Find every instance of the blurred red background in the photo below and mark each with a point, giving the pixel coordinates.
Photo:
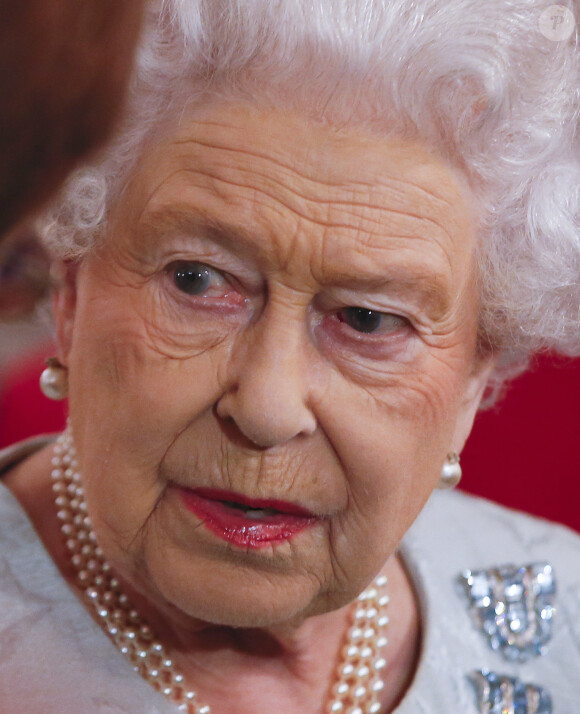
(525, 453)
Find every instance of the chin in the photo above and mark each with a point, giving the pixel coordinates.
(237, 596)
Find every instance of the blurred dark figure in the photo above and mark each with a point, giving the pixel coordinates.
(24, 274)
(64, 67)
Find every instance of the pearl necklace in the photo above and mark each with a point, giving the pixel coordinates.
(358, 674)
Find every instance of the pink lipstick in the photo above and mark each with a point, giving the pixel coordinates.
(246, 522)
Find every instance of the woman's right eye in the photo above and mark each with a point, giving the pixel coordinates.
(195, 278)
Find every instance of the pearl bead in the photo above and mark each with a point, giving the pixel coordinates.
(145, 632)
(341, 689)
(351, 651)
(451, 473)
(345, 670)
(355, 634)
(72, 544)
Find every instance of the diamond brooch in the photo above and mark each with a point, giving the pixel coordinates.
(514, 607)
(508, 695)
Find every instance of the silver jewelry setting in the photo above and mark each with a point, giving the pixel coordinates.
(514, 607)
(507, 695)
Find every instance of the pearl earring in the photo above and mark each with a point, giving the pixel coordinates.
(451, 472)
(54, 380)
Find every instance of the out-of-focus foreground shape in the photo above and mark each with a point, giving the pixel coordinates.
(64, 68)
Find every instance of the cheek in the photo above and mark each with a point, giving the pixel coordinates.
(129, 401)
(125, 367)
(391, 443)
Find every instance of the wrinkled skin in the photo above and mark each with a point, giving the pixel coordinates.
(64, 67)
(260, 384)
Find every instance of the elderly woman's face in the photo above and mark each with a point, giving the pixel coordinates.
(270, 355)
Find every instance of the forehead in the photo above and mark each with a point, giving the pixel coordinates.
(274, 182)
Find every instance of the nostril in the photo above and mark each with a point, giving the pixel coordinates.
(232, 432)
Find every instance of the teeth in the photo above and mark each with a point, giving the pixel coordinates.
(254, 513)
(258, 513)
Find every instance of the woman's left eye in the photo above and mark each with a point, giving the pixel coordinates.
(195, 278)
(371, 321)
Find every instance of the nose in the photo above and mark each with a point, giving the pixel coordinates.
(267, 395)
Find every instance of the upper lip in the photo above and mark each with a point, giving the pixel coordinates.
(217, 494)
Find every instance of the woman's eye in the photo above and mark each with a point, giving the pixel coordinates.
(371, 321)
(195, 278)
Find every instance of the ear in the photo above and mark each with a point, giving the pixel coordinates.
(64, 301)
(473, 393)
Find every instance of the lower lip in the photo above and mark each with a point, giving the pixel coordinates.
(237, 528)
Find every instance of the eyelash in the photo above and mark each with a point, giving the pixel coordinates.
(180, 270)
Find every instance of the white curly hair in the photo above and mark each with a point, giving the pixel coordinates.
(478, 82)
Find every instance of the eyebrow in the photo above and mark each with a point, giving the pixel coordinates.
(430, 291)
(155, 223)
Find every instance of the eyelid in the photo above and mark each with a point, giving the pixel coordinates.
(401, 322)
(199, 249)
(340, 300)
